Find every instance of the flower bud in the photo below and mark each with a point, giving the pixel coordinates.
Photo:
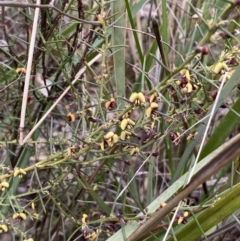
(205, 50)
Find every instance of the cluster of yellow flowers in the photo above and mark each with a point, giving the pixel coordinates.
(3, 228)
(88, 234)
(185, 82)
(3, 185)
(109, 140)
(126, 123)
(18, 172)
(19, 216)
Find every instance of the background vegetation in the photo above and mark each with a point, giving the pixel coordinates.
(119, 120)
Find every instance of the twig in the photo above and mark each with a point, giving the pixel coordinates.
(28, 73)
(49, 6)
(81, 71)
(160, 46)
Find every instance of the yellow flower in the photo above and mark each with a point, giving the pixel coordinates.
(127, 124)
(220, 68)
(125, 135)
(3, 228)
(21, 71)
(188, 88)
(162, 205)
(109, 140)
(18, 172)
(151, 110)
(180, 220)
(153, 97)
(19, 216)
(84, 218)
(186, 214)
(109, 135)
(185, 82)
(185, 73)
(71, 117)
(90, 234)
(93, 236)
(148, 111)
(137, 98)
(33, 206)
(4, 185)
(111, 104)
(134, 151)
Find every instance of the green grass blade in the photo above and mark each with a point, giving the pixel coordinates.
(149, 63)
(223, 130)
(164, 28)
(131, 21)
(118, 39)
(210, 217)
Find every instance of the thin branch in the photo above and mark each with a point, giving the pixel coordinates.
(28, 73)
(49, 6)
(159, 42)
(81, 71)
